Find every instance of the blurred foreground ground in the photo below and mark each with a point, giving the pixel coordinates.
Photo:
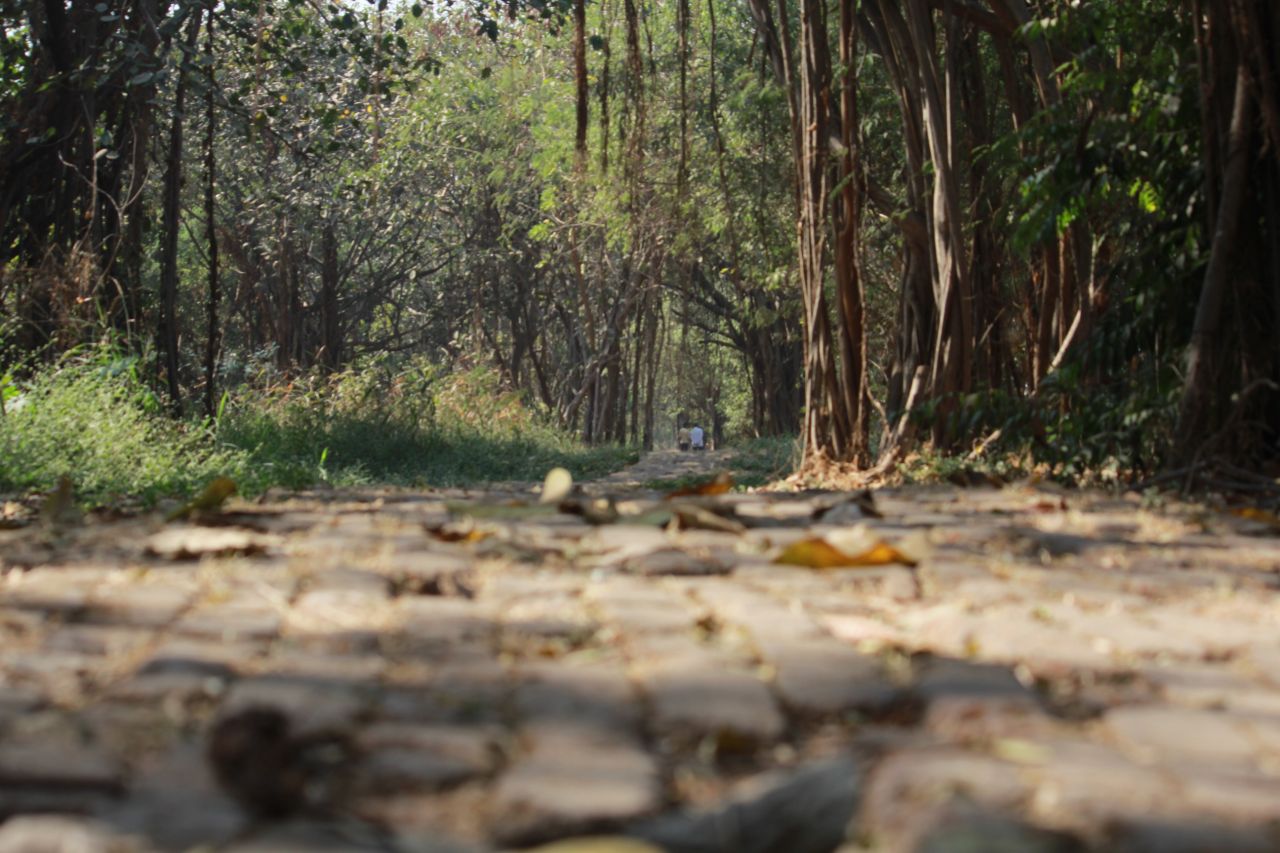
(467, 670)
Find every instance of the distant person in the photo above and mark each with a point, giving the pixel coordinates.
(682, 438)
(697, 438)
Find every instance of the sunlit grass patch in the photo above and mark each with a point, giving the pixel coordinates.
(761, 461)
(94, 421)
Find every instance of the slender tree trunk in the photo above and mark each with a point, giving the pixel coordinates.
(682, 27)
(580, 76)
(167, 342)
(331, 334)
(213, 336)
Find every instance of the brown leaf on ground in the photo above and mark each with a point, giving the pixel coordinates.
(1253, 513)
(692, 517)
(859, 505)
(461, 530)
(717, 485)
(592, 510)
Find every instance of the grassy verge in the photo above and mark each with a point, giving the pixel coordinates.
(94, 420)
(764, 460)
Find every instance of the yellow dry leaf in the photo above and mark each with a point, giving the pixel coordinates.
(812, 553)
(882, 554)
(1020, 751)
(817, 553)
(556, 486)
(717, 485)
(210, 500)
(1251, 513)
(463, 530)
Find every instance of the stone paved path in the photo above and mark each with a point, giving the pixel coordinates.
(465, 671)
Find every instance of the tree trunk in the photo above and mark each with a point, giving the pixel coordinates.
(213, 336)
(1199, 413)
(847, 225)
(580, 76)
(167, 337)
(331, 329)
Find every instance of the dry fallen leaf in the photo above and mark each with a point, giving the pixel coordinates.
(717, 485)
(1020, 751)
(461, 530)
(1047, 504)
(60, 510)
(817, 552)
(857, 506)
(691, 517)
(210, 500)
(592, 510)
(556, 486)
(1262, 516)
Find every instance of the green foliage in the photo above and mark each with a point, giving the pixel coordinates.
(408, 426)
(91, 418)
(927, 465)
(764, 460)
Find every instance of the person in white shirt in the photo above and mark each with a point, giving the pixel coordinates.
(697, 438)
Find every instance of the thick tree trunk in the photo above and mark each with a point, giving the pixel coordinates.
(847, 226)
(1199, 413)
(826, 426)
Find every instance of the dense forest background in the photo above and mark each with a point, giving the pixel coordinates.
(997, 229)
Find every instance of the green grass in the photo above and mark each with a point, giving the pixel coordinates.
(94, 420)
(763, 460)
(406, 428)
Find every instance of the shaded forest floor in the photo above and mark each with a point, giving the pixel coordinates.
(471, 670)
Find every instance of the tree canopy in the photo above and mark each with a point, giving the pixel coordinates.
(1041, 226)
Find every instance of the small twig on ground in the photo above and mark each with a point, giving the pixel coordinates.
(982, 446)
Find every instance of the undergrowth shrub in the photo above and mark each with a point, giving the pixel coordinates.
(764, 460)
(409, 425)
(91, 417)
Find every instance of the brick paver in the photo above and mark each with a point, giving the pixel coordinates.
(466, 670)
